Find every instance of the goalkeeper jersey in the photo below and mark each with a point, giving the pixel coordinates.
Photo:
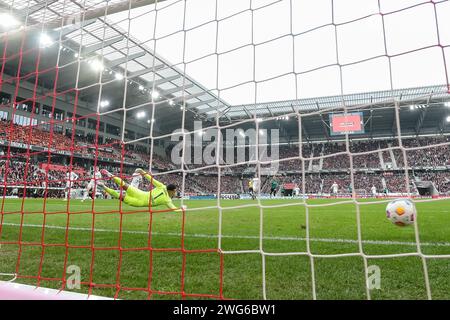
(159, 196)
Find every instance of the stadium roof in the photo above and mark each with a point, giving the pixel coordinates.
(99, 41)
(366, 100)
(423, 110)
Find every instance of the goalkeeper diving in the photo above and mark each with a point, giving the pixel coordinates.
(160, 195)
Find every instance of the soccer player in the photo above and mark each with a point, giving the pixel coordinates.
(374, 191)
(137, 179)
(296, 191)
(70, 178)
(15, 192)
(334, 188)
(161, 195)
(44, 189)
(250, 188)
(273, 187)
(255, 187)
(90, 189)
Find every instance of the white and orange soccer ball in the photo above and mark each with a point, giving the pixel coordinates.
(401, 212)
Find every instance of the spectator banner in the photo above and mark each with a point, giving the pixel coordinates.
(289, 186)
(57, 167)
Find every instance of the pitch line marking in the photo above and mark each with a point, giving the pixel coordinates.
(211, 236)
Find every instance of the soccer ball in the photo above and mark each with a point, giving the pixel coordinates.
(401, 212)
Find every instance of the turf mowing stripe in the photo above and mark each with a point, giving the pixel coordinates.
(211, 236)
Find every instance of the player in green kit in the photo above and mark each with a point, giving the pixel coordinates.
(350, 189)
(273, 187)
(161, 195)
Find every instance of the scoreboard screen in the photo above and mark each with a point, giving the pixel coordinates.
(350, 123)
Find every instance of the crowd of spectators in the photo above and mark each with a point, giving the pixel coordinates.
(14, 173)
(81, 146)
(441, 179)
(333, 154)
(429, 157)
(209, 184)
(321, 183)
(433, 153)
(19, 173)
(366, 154)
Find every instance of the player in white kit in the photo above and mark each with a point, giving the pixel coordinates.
(136, 179)
(70, 178)
(334, 188)
(91, 187)
(255, 187)
(296, 191)
(374, 191)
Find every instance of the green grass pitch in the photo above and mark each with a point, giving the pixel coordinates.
(332, 226)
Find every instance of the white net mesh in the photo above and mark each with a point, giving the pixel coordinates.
(335, 100)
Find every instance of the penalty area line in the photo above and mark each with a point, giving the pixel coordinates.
(212, 236)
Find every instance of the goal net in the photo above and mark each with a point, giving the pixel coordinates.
(280, 128)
